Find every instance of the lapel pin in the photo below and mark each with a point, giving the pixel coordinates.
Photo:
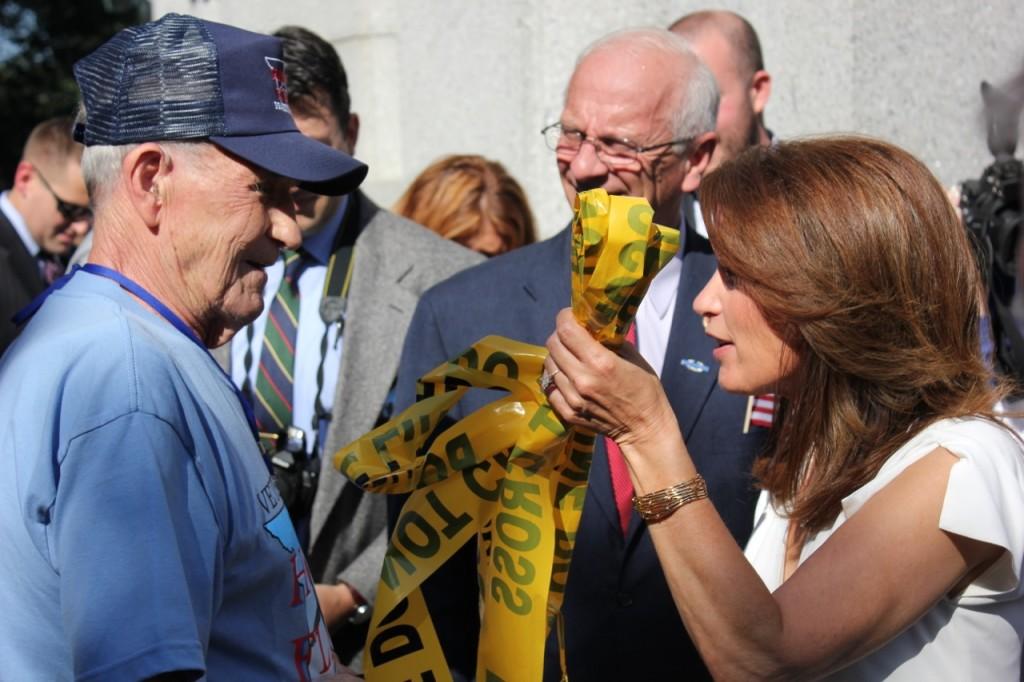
(694, 365)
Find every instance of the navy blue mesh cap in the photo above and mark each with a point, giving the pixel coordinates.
(183, 78)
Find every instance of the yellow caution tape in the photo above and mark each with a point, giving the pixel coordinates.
(509, 474)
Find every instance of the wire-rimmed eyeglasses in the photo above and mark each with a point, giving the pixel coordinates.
(72, 213)
(614, 152)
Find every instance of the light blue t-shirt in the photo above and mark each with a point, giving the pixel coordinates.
(140, 531)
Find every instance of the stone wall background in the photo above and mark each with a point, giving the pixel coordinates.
(464, 76)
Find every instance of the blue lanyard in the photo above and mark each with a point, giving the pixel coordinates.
(165, 312)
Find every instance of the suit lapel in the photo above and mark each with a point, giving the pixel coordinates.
(370, 353)
(369, 360)
(21, 263)
(690, 370)
(548, 282)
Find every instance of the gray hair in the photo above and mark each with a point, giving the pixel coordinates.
(101, 164)
(696, 110)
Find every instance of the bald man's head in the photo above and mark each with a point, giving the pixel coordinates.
(729, 46)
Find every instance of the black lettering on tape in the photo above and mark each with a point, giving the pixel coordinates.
(469, 476)
(393, 643)
(504, 562)
(424, 390)
(459, 451)
(470, 359)
(433, 470)
(545, 418)
(639, 218)
(380, 441)
(560, 561)
(563, 543)
(576, 493)
(397, 612)
(527, 534)
(351, 458)
(502, 359)
(632, 256)
(502, 593)
(527, 461)
(392, 560)
(453, 525)
(455, 383)
(431, 541)
(514, 496)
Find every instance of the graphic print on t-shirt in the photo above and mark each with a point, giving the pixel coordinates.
(313, 654)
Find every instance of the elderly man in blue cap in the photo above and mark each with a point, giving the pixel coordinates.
(142, 533)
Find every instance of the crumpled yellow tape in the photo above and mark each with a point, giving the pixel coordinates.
(509, 474)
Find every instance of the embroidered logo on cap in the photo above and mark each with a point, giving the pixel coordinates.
(276, 67)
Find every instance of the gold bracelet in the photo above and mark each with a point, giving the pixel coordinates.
(663, 503)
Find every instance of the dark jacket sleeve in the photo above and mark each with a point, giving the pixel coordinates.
(451, 592)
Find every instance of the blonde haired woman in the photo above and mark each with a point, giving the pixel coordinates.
(473, 201)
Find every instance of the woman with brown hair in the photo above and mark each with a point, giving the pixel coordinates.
(473, 201)
(889, 536)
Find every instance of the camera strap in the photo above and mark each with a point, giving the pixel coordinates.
(333, 305)
(334, 300)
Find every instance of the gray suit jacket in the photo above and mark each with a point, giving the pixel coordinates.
(395, 261)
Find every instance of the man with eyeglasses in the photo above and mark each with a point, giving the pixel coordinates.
(43, 217)
(638, 119)
(142, 531)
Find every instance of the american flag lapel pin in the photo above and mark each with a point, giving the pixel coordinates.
(760, 411)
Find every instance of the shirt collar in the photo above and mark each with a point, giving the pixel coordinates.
(662, 292)
(19, 224)
(692, 216)
(319, 246)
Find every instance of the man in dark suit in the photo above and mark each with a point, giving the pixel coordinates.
(42, 217)
(638, 120)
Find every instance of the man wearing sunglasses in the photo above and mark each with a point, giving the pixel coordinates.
(43, 217)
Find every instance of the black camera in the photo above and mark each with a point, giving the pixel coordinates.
(991, 207)
(295, 472)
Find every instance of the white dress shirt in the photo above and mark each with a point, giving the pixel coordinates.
(308, 335)
(655, 313)
(18, 223)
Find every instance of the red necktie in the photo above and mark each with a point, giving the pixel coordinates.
(622, 485)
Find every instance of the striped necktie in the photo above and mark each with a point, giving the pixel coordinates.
(274, 381)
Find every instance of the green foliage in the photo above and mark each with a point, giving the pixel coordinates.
(39, 41)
